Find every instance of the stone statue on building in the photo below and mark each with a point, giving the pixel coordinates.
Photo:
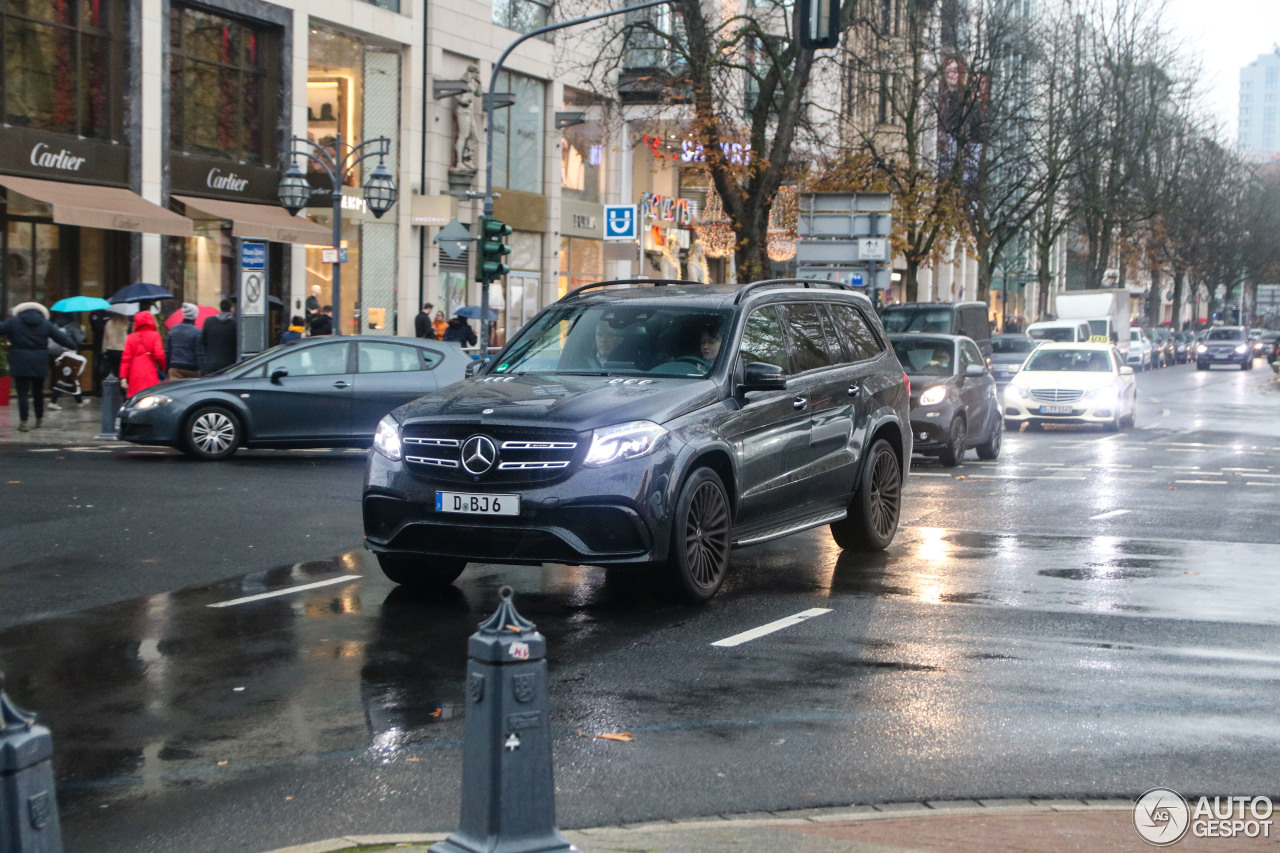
(467, 136)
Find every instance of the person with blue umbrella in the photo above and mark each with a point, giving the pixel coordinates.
(29, 332)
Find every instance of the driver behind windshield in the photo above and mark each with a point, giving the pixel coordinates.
(709, 343)
(608, 340)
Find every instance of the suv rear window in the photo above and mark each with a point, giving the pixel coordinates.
(810, 348)
(860, 340)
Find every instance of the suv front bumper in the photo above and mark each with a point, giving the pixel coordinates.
(614, 515)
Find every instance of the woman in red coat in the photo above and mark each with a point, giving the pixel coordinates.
(143, 357)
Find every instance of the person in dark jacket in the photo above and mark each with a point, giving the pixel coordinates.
(29, 331)
(219, 338)
(184, 346)
(460, 331)
(322, 323)
(422, 327)
(296, 327)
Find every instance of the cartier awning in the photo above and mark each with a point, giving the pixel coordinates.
(92, 206)
(263, 221)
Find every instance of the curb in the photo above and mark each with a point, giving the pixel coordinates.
(929, 809)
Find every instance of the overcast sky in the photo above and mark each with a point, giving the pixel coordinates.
(1227, 35)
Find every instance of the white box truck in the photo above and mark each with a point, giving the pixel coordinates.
(1106, 310)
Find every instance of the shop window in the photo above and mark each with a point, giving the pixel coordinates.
(223, 80)
(523, 16)
(518, 134)
(581, 263)
(64, 66)
(582, 155)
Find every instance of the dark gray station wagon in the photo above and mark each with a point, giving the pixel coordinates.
(650, 426)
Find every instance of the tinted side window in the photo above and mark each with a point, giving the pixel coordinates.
(835, 343)
(322, 360)
(973, 324)
(762, 340)
(862, 342)
(387, 358)
(809, 347)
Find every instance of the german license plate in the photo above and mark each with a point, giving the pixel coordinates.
(1221, 355)
(469, 504)
(1055, 410)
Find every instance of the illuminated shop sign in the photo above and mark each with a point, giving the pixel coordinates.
(675, 210)
(694, 152)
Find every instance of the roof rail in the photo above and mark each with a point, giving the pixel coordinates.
(656, 282)
(802, 282)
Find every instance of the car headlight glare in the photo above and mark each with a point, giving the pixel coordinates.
(1103, 397)
(387, 439)
(1240, 349)
(933, 396)
(152, 401)
(1201, 348)
(1015, 392)
(623, 441)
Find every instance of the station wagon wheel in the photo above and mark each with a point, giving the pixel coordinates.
(873, 513)
(700, 537)
(953, 454)
(421, 573)
(211, 433)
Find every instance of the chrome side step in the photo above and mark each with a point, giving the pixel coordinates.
(778, 533)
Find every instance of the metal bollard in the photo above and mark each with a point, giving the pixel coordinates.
(110, 408)
(28, 805)
(508, 789)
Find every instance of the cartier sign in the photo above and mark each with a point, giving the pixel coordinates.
(59, 157)
(217, 180)
(206, 177)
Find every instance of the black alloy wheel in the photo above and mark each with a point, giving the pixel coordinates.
(953, 454)
(211, 433)
(421, 573)
(700, 537)
(873, 513)
(990, 449)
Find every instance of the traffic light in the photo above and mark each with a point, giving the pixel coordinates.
(490, 266)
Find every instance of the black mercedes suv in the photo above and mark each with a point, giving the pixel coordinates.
(653, 426)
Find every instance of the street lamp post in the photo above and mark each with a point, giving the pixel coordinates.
(489, 104)
(338, 161)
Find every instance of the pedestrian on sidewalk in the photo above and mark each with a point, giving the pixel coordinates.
(185, 345)
(422, 325)
(297, 326)
(68, 364)
(219, 337)
(322, 323)
(142, 364)
(29, 331)
(113, 336)
(460, 331)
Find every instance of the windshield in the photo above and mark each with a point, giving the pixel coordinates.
(1058, 334)
(924, 357)
(1011, 346)
(1078, 360)
(1226, 335)
(623, 340)
(917, 320)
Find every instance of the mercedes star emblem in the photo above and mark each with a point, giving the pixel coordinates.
(478, 454)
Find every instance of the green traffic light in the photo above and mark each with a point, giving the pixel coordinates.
(492, 249)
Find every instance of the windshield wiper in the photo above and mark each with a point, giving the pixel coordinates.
(584, 373)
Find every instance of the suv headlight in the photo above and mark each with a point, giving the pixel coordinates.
(623, 441)
(933, 396)
(1240, 349)
(387, 439)
(1201, 348)
(152, 402)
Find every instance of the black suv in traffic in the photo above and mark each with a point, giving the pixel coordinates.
(654, 426)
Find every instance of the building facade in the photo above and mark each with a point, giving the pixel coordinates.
(1259, 115)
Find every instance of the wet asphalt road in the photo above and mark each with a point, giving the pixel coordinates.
(1091, 615)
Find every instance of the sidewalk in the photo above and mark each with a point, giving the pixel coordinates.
(956, 826)
(73, 425)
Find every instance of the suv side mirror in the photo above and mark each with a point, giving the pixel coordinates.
(974, 370)
(1126, 370)
(278, 374)
(759, 376)
(473, 367)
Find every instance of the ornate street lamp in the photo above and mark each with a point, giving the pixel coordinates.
(338, 161)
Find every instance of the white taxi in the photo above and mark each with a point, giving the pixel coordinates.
(1072, 383)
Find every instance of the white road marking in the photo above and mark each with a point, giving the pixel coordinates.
(1252, 483)
(1112, 514)
(928, 474)
(1260, 474)
(1155, 399)
(1176, 467)
(1204, 482)
(756, 633)
(289, 591)
(1248, 470)
(46, 450)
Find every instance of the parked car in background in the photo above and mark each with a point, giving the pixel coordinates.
(1225, 345)
(953, 397)
(1163, 349)
(1008, 352)
(1183, 346)
(969, 319)
(1271, 340)
(1072, 384)
(1069, 331)
(1141, 355)
(314, 392)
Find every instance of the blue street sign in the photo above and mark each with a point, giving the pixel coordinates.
(253, 256)
(855, 279)
(620, 222)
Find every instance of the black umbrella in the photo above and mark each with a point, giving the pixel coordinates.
(140, 291)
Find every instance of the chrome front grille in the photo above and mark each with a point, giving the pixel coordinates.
(1055, 395)
(525, 454)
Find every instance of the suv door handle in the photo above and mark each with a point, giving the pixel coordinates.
(341, 384)
(854, 390)
(799, 403)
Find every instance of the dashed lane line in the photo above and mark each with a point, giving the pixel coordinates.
(1204, 482)
(763, 630)
(288, 591)
(1112, 514)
